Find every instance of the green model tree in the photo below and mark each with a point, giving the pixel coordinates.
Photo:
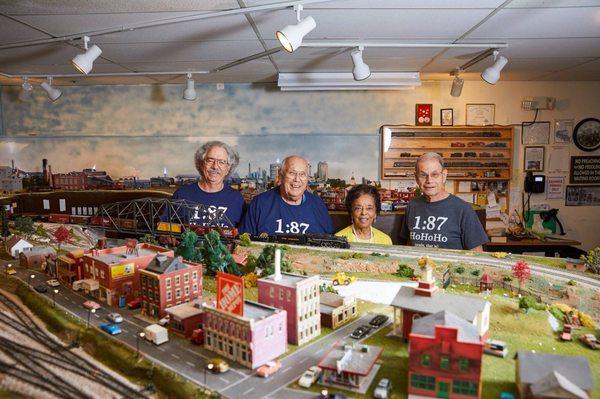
(216, 256)
(24, 225)
(245, 240)
(187, 249)
(266, 260)
(149, 239)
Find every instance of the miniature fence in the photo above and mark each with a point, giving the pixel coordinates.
(474, 282)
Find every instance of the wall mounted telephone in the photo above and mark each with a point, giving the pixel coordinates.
(535, 183)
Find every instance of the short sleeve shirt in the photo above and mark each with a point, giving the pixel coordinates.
(450, 223)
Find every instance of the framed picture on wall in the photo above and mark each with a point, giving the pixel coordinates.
(563, 131)
(534, 159)
(446, 117)
(480, 114)
(535, 133)
(423, 114)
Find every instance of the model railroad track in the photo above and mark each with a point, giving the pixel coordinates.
(25, 325)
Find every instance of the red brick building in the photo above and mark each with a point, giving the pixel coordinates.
(69, 267)
(185, 318)
(444, 357)
(117, 271)
(167, 282)
(69, 181)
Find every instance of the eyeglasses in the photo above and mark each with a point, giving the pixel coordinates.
(219, 162)
(300, 175)
(368, 209)
(432, 176)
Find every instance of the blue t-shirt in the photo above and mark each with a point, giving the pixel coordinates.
(269, 213)
(227, 201)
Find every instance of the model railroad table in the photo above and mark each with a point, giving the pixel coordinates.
(565, 248)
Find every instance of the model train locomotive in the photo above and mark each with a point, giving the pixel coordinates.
(311, 239)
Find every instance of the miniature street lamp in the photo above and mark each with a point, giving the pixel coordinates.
(54, 292)
(90, 311)
(6, 267)
(137, 343)
(29, 280)
(209, 366)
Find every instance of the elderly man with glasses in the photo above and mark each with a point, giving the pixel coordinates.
(288, 208)
(215, 161)
(438, 218)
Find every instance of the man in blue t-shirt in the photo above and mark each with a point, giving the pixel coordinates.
(215, 161)
(437, 218)
(288, 208)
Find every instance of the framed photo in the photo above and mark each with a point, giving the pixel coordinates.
(534, 159)
(535, 133)
(423, 114)
(446, 117)
(587, 134)
(563, 131)
(480, 114)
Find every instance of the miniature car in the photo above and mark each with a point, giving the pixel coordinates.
(379, 320)
(53, 283)
(476, 144)
(135, 303)
(91, 305)
(506, 395)
(40, 288)
(10, 270)
(114, 317)
(310, 376)
(342, 278)
(456, 155)
(590, 340)
(383, 389)
(218, 365)
(470, 154)
(484, 155)
(331, 396)
(495, 347)
(457, 144)
(566, 333)
(164, 321)
(268, 369)
(111, 328)
(197, 336)
(360, 332)
(496, 144)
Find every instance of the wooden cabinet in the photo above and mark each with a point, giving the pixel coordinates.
(481, 155)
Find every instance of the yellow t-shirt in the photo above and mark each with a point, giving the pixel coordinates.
(377, 236)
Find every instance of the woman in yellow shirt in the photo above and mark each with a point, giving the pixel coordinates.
(363, 205)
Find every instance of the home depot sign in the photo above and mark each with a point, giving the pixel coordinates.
(230, 293)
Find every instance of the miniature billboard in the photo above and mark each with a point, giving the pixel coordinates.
(123, 270)
(230, 293)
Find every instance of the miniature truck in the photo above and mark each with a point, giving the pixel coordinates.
(156, 334)
(566, 333)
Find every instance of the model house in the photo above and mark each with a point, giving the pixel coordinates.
(336, 310)
(255, 338)
(167, 282)
(411, 303)
(350, 365)
(546, 376)
(444, 357)
(117, 269)
(185, 318)
(69, 267)
(15, 245)
(35, 257)
(298, 295)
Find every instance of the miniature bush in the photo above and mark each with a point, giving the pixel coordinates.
(359, 255)
(563, 307)
(476, 272)
(459, 269)
(327, 288)
(572, 282)
(529, 302)
(556, 312)
(507, 279)
(405, 271)
(586, 320)
(245, 240)
(250, 280)
(592, 260)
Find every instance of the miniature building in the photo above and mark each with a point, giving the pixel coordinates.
(444, 357)
(251, 340)
(486, 283)
(575, 264)
(349, 366)
(185, 318)
(336, 310)
(15, 245)
(411, 303)
(299, 296)
(35, 257)
(543, 375)
(10, 180)
(69, 181)
(167, 282)
(69, 267)
(117, 271)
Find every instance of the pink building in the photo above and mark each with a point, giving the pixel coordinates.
(299, 296)
(251, 340)
(167, 282)
(117, 271)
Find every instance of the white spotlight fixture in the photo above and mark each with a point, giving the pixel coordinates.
(53, 94)
(457, 85)
(190, 92)
(291, 36)
(26, 90)
(361, 70)
(84, 62)
(492, 74)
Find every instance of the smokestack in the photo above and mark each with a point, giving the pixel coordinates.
(277, 275)
(44, 168)
(12, 162)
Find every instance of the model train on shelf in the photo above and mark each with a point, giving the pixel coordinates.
(176, 228)
(311, 239)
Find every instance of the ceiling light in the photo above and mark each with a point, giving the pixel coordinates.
(190, 92)
(291, 36)
(84, 62)
(345, 81)
(26, 90)
(457, 85)
(361, 70)
(492, 74)
(53, 94)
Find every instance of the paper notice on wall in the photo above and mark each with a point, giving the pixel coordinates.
(466, 197)
(464, 186)
(556, 187)
(558, 159)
